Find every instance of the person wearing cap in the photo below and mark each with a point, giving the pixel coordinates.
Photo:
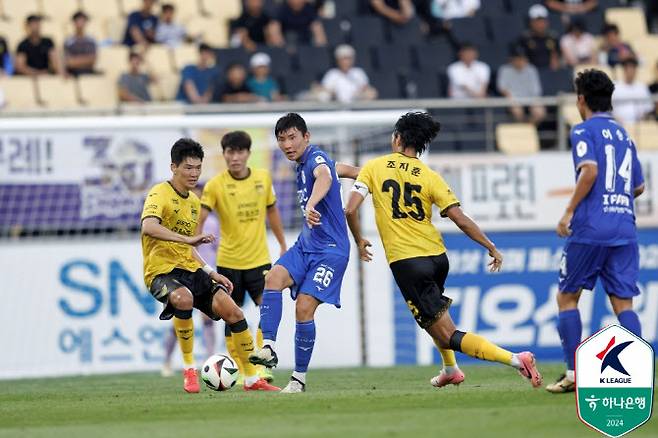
(36, 55)
(578, 46)
(520, 79)
(345, 82)
(631, 100)
(79, 48)
(197, 81)
(540, 44)
(261, 83)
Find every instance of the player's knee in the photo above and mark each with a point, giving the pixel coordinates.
(181, 299)
(305, 308)
(566, 301)
(233, 314)
(276, 279)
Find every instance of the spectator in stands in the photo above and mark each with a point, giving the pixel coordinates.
(297, 23)
(134, 85)
(197, 81)
(255, 27)
(235, 88)
(396, 11)
(520, 79)
(614, 49)
(80, 48)
(168, 31)
(36, 55)
(345, 82)
(631, 100)
(6, 66)
(578, 46)
(261, 83)
(653, 88)
(141, 26)
(449, 9)
(539, 42)
(571, 7)
(468, 78)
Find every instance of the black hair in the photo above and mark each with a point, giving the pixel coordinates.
(33, 17)
(289, 121)
(203, 47)
(233, 65)
(417, 130)
(597, 88)
(577, 24)
(467, 45)
(79, 14)
(132, 55)
(609, 27)
(184, 148)
(236, 140)
(167, 7)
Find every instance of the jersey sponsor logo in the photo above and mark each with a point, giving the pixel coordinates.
(581, 149)
(578, 131)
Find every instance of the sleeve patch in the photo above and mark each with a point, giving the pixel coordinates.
(320, 159)
(581, 149)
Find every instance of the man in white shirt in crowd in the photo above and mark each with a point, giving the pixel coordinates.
(468, 78)
(345, 82)
(449, 9)
(168, 31)
(631, 100)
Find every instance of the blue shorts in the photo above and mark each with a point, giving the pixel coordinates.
(617, 266)
(317, 274)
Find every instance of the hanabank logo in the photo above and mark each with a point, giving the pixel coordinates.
(609, 358)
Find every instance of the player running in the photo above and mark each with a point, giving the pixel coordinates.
(314, 266)
(243, 197)
(599, 222)
(403, 191)
(174, 272)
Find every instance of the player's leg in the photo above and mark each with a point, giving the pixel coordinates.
(254, 282)
(237, 295)
(169, 345)
(619, 277)
(209, 338)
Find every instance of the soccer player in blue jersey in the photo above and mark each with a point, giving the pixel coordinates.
(599, 222)
(313, 268)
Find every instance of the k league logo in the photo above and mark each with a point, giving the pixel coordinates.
(614, 381)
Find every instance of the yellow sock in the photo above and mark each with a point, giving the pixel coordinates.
(448, 356)
(185, 334)
(244, 344)
(259, 338)
(233, 352)
(480, 348)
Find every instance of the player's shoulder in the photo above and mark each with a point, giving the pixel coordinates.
(158, 188)
(261, 173)
(217, 180)
(318, 156)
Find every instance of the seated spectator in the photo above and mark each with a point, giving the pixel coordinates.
(520, 79)
(538, 41)
(396, 11)
(347, 83)
(571, 7)
(168, 31)
(631, 100)
(36, 55)
(468, 78)
(134, 85)
(80, 48)
(298, 24)
(197, 81)
(255, 27)
(235, 88)
(449, 9)
(615, 51)
(141, 26)
(578, 46)
(653, 88)
(6, 66)
(261, 83)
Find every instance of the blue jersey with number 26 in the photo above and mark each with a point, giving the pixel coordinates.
(606, 215)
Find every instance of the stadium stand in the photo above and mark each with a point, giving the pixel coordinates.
(631, 21)
(57, 92)
(517, 138)
(20, 92)
(97, 91)
(645, 134)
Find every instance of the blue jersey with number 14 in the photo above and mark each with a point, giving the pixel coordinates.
(606, 215)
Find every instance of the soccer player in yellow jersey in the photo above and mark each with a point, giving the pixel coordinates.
(174, 272)
(403, 192)
(243, 197)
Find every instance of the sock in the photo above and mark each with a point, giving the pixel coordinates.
(259, 337)
(209, 339)
(299, 376)
(630, 321)
(270, 315)
(480, 348)
(571, 375)
(233, 352)
(448, 358)
(304, 342)
(185, 333)
(169, 344)
(570, 329)
(244, 344)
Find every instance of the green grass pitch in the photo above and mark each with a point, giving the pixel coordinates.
(493, 402)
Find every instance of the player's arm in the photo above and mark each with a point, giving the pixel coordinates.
(586, 179)
(205, 211)
(347, 171)
(357, 196)
(274, 218)
(637, 191)
(472, 230)
(152, 227)
(321, 187)
(214, 275)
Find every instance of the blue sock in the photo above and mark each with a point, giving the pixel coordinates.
(571, 329)
(630, 321)
(304, 342)
(270, 313)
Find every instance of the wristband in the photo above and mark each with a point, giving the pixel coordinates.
(208, 269)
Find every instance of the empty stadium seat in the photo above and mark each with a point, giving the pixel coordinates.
(645, 134)
(54, 31)
(470, 29)
(367, 30)
(166, 87)
(435, 56)
(100, 9)
(185, 54)
(517, 138)
(337, 31)
(18, 10)
(505, 29)
(426, 85)
(558, 81)
(387, 85)
(112, 60)
(408, 33)
(346, 8)
(115, 29)
(646, 49)
(315, 59)
(55, 92)
(98, 91)
(395, 57)
(20, 92)
(570, 113)
(127, 7)
(60, 11)
(222, 9)
(493, 8)
(186, 9)
(159, 59)
(631, 22)
(13, 32)
(225, 57)
(213, 31)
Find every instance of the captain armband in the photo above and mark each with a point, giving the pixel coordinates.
(360, 188)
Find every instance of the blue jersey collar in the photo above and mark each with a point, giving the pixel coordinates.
(605, 115)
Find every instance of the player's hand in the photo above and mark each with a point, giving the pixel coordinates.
(312, 216)
(219, 278)
(200, 239)
(563, 229)
(364, 252)
(497, 263)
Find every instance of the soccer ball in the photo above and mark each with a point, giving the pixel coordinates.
(219, 372)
